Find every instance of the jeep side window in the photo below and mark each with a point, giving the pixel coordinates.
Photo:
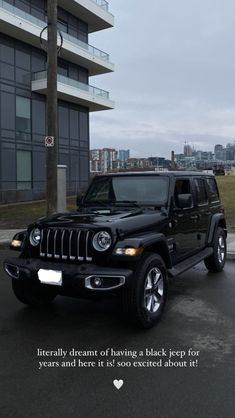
(200, 191)
(182, 186)
(212, 189)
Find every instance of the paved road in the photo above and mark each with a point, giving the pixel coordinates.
(200, 314)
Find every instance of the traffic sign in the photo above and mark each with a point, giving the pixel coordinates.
(49, 141)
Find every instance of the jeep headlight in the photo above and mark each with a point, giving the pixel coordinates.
(102, 241)
(35, 237)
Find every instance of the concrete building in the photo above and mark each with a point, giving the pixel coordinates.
(188, 150)
(103, 160)
(123, 154)
(23, 90)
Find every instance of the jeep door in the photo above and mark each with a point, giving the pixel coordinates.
(183, 223)
(203, 209)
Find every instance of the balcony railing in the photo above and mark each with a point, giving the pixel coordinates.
(41, 24)
(94, 91)
(89, 48)
(102, 3)
(20, 13)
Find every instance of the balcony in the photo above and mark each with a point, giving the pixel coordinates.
(74, 91)
(94, 12)
(25, 27)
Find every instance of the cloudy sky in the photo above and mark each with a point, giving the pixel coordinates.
(174, 78)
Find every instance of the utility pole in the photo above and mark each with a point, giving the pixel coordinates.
(52, 149)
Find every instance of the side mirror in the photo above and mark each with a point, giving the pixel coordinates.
(184, 201)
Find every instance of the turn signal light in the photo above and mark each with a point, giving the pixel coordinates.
(133, 252)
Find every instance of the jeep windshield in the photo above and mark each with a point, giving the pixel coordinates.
(128, 191)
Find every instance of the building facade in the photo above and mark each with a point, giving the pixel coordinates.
(23, 90)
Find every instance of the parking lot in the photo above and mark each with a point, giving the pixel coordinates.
(199, 316)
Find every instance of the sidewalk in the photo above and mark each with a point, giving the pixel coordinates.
(6, 236)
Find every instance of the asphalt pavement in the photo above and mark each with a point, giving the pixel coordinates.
(192, 349)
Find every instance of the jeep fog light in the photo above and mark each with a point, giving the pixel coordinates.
(35, 237)
(129, 251)
(97, 281)
(102, 241)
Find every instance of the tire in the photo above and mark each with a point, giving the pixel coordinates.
(33, 294)
(145, 298)
(216, 261)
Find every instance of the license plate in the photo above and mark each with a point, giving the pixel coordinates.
(50, 277)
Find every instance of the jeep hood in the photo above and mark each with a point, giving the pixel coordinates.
(124, 222)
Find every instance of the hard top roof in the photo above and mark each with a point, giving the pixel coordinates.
(158, 173)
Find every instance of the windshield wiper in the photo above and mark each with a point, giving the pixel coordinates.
(96, 203)
(111, 203)
(125, 203)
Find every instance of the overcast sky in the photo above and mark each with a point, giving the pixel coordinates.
(174, 78)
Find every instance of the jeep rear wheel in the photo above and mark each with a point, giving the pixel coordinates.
(145, 298)
(216, 261)
(33, 294)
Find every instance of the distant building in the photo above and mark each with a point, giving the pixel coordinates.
(188, 150)
(103, 160)
(230, 152)
(123, 154)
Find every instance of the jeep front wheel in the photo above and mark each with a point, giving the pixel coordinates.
(33, 294)
(146, 296)
(216, 261)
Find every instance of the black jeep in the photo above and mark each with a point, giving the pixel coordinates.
(130, 232)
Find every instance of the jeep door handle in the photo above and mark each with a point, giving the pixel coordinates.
(195, 217)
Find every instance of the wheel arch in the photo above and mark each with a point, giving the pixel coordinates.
(217, 220)
(160, 248)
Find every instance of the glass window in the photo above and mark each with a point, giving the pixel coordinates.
(200, 191)
(24, 170)
(62, 25)
(73, 124)
(23, 118)
(6, 52)
(23, 59)
(7, 111)
(182, 186)
(7, 71)
(212, 189)
(63, 114)
(22, 76)
(83, 125)
(38, 117)
(63, 69)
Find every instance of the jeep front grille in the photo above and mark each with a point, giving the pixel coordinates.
(66, 244)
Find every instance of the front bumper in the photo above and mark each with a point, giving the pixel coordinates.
(76, 278)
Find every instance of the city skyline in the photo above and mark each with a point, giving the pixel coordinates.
(184, 146)
(174, 77)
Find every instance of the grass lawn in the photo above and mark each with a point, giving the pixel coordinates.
(226, 186)
(19, 216)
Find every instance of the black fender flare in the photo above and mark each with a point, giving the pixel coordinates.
(149, 242)
(215, 220)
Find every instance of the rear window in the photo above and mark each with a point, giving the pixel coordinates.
(200, 191)
(212, 189)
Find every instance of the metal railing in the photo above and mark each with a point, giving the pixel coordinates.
(94, 91)
(102, 3)
(41, 24)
